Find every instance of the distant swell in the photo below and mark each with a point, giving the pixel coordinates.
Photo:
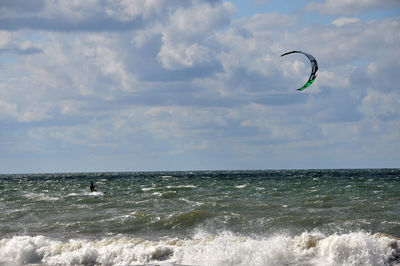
(226, 248)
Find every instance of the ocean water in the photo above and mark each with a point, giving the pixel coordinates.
(288, 217)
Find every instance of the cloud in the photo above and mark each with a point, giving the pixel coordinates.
(350, 6)
(5, 38)
(15, 7)
(381, 106)
(266, 22)
(185, 38)
(118, 15)
(92, 16)
(343, 21)
(14, 43)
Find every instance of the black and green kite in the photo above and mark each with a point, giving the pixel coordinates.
(314, 68)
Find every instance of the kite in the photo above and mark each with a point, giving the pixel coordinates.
(314, 68)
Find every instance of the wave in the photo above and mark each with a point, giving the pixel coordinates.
(226, 248)
(40, 197)
(85, 193)
(137, 220)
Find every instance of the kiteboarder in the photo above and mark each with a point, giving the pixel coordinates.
(92, 187)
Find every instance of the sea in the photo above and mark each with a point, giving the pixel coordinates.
(268, 217)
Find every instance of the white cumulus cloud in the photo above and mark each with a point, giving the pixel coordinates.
(343, 21)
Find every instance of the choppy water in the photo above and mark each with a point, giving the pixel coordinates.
(291, 217)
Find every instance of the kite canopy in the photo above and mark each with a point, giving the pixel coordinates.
(314, 68)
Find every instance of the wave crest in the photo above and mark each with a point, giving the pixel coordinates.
(226, 248)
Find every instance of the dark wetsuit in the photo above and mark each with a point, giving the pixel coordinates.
(92, 187)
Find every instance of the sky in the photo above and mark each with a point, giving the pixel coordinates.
(148, 85)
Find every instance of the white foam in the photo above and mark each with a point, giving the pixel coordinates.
(86, 193)
(93, 194)
(182, 186)
(23, 250)
(40, 197)
(144, 189)
(96, 193)
(203, 249)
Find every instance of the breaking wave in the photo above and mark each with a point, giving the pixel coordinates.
(226, 248)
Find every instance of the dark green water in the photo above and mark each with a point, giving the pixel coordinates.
(162, 206)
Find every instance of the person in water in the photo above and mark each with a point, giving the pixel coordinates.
(92, 187)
